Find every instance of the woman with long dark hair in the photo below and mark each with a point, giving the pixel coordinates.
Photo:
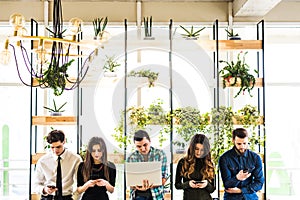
(195, 172)
(96, 175)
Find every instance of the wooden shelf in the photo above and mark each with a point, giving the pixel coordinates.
(53, 120)
(260, 121)
(258, 83)
(231, 44)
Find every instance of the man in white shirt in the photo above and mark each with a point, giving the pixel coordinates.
(46, 169)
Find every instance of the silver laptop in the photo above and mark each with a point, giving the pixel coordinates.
(136, 172)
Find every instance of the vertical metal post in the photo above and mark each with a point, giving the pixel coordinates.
(125, 103)
(171, 104)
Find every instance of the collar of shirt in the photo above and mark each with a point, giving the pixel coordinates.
(62, 155)
(239, 154)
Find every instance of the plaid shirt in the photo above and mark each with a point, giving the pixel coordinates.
(154, 155)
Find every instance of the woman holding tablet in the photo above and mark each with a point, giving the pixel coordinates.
(195, 172)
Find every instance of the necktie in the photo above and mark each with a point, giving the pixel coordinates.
(58, 180)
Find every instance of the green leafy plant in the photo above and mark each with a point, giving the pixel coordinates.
(55, 77)
(110, 64)
(99, 27)
(152, 76)
(191, 33)
(140, 117)
(148, 26)
(223, 122)
(231, 34)
(249, 116)
(55, 107)
(156, 113)
(220, 130)
(236, 71)
(188, 122)
(82, 151)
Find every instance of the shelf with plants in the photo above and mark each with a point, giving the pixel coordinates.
(54, 120)
(236, 73)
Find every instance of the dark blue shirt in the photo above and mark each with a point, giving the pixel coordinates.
(231, 162)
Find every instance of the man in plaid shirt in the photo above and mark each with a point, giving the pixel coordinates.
(146, 153)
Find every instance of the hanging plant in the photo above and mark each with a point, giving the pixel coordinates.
(238, 73)
(55, 77)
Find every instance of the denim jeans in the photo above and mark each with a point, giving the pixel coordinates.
(142, 198)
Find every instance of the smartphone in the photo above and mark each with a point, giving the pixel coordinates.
(51, 186)
(196, 182)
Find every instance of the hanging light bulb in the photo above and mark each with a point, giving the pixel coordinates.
(17, 21)
(75, 26)
(5, 54)
(41, 53)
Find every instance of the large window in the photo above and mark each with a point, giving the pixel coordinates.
(282, 131)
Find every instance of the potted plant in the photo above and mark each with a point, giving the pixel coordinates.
(152, 76)
(238, 73)
(99, 27)
(188, 122)
(110, 66)
(231, 35)
(55, 77)
(148, 28)
(156, 113)
(56, 111)
(191, 34)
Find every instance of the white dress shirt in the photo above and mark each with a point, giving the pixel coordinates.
(46, 171)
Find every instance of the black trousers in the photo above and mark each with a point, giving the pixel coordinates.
(51, 197)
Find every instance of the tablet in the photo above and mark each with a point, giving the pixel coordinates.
(136, 172)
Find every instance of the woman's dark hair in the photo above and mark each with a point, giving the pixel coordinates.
(140, 134)
(188, 167)
(240, 133)
(89, 161)
(55, 136)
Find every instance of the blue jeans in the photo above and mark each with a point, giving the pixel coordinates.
(142, 198)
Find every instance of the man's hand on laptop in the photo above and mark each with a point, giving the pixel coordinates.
(145, 186)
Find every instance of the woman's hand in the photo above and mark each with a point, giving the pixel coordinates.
(197, 184)
(104, 183)
(90, 183)
(101, 182)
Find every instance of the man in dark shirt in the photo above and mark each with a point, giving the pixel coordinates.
(241, 169)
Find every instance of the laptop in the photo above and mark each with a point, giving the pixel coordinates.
(136, 172)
